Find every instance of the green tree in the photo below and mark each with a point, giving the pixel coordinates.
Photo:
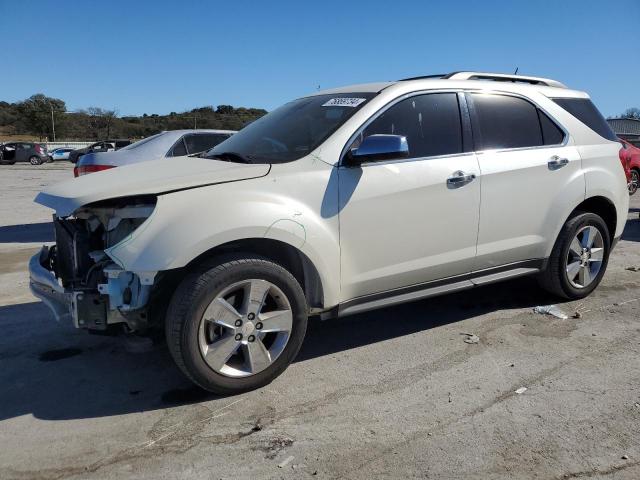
(36, 114)
(633, 112)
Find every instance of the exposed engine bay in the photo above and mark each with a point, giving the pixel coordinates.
(100, 291)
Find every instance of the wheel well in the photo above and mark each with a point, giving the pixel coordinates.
(285, 255)
(602, 207)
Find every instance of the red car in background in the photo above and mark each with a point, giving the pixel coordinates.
(630, 158)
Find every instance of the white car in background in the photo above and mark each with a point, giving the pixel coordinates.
(171, 143)
(60, 153)
(337, 203)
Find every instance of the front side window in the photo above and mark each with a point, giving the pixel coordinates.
(291, 131)
(430, 122)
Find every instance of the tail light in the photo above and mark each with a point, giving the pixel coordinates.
(85, 169)
(625, 160)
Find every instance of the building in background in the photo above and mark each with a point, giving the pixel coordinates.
(627, 129)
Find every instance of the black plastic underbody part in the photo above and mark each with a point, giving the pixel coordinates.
(92, 311)
(72, 260)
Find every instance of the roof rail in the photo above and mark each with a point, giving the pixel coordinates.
(499, 77)
(422, 77)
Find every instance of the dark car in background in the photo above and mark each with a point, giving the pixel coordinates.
(103, 146)
(171, 143)
(13, 152)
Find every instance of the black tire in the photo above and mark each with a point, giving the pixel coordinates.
(635, 181)
(35, 160)
(195, 293)
(554, 278)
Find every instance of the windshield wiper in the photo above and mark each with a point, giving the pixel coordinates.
(230, 157)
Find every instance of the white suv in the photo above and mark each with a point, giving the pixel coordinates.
(337, 203)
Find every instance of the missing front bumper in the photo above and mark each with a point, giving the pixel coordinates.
(44, 286)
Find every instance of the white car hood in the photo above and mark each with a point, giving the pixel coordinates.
(154, 177)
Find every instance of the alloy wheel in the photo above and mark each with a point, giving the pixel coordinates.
(635, 182)
(585, 257)
(245, 328)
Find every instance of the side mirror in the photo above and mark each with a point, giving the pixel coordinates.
(379, 147)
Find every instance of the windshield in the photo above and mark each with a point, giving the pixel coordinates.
(292, 131)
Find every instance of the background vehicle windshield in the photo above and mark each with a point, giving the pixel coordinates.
(293, 130)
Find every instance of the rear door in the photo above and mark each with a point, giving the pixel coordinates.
(528, 175)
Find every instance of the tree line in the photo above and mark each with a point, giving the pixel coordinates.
(42, 116)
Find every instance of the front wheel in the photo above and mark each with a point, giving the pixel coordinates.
(35, 160)
(236, 324)
(579, 257)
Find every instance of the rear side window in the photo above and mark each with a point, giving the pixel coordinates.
(505, 122)
(203, 142)
(430, 122)
(585, 111)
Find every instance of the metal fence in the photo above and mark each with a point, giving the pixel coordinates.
(53, 145)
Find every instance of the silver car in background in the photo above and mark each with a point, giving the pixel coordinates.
(171, 143)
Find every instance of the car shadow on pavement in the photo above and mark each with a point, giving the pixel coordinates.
(631, 231)
(55, 372)
(27, 233)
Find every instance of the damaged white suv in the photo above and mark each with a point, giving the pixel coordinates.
(337, 203)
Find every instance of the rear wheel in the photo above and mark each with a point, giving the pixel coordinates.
(35, 160)
(236, 324)
(635, 182)
(579, 257)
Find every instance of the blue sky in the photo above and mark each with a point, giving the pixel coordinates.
(160, 56)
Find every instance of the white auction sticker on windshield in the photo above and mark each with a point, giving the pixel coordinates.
(344, 102)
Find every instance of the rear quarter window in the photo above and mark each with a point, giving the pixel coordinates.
(585, 111)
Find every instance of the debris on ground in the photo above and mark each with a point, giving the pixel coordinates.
(471, 338)
(449, 397)
(577, 314)
(274, 445)
(286, 462)
(625, 457)
(550, 310)
(633, 269)
(521, 390)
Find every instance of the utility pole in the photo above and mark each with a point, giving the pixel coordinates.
(53, 124)
(195, 122)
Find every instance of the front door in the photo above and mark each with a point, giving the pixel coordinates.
(404, 221)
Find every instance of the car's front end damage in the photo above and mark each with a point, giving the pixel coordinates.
(118, 249)
(80, 281)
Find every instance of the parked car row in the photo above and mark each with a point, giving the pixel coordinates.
(112, 153)
(172, 143)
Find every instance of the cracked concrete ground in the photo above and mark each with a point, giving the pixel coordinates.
(395, 393)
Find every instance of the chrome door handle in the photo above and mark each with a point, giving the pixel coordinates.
(556, 162)
(459, 179)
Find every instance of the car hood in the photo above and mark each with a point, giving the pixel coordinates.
(147, 178)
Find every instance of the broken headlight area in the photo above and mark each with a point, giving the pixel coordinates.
(100, 291)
